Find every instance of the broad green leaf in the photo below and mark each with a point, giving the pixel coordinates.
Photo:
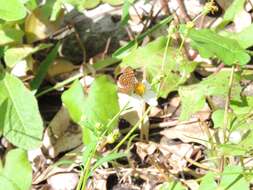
(12, 10)
(5, 183)
(10, 35)
(73, 99)
(193, 96)
(208, 182)
(95, 111)
(233, 179)
(15, 54)
(19, 113)
(218, 118)
(101, 106)
(43, 68)
(165, 76)
(17, 169)
(210, 44)
(244, 38)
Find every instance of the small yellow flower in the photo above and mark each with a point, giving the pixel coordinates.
(139, 88)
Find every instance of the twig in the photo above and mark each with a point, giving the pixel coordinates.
(165, 7)
(183, 11)
(108, 42)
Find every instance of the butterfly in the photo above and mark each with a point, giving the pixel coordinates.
(127, 80)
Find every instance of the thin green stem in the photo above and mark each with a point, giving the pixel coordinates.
(225, 119)
(60, 84)
(131, 131)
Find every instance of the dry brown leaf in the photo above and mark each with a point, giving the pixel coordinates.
(61, 135)
(176, 154)
(192, 132)
(60, 66)
(72, 156)
(143, 149)
(38, 26)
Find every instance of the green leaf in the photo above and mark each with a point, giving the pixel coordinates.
(19, 113)
(218, 118)
(125, 13)
(107, 158)
(10, 35)
(95, 111)
(15, 54)
(17, 169)
(12, 10)
(232, 149)
(31, 4)
(208, 182)
(233, 179)
(43, 68)
(235, 8)
(101, 106)
(176, 69)
(124, 51)
(244, 38)
(193, 96)
(56, 10)
(90, 4)
(5, 183)
(210, 44)
(73, 99)
(102, 63)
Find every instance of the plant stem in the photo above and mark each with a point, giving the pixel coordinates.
(225, 121)
(60, 84)
(131, 131)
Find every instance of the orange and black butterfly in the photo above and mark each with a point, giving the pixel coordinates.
(127, 80)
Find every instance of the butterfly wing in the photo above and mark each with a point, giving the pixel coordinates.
(127, 81)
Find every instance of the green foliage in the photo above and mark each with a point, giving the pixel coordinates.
(43, 68)
(125, 50)
(232, 178)
(95, 111)
(193, 96)
(75, 105)
(230, 14)
(244, 38)
(12, 10)
(17, 171)
(210, 44)
(10, 35)
(15, 54)
(165, 74)
(208, 182)
(20, 119)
